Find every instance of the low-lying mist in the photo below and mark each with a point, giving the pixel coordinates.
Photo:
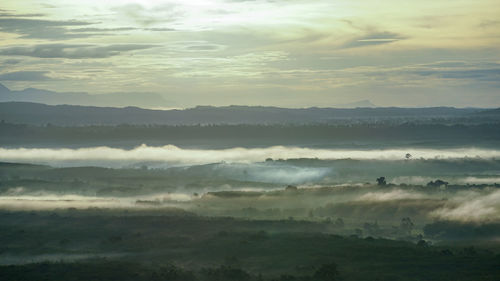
(352, 203)
(348, 191)
(116, 157)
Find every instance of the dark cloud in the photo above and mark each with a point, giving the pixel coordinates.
(5, 14)
(10, 13)
(481, 71)
(11, 61)
(42, 29)
(377, 38)
(489, 23)
(95, 29)
(72, 51)
(49, 29)
(476, 74)
(24, 76)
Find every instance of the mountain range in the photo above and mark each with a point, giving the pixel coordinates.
(122, 99)
(72, 115)
(147, 100)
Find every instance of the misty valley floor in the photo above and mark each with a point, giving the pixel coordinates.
(248, 221)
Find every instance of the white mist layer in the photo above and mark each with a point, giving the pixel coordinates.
(48, 201)
(280, 174)
(464, 206)
(173, 154)
(421, 180)
(471, 206)
(396, 194)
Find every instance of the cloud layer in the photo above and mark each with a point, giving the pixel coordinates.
(173, 154)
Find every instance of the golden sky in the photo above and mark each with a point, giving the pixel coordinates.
(289, 53)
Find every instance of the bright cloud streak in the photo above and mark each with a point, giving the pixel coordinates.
(173, 154)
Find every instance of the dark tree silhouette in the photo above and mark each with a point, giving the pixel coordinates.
(422, 243)
(381, 181)
(339, 222)
(437, 183)
(406, 225)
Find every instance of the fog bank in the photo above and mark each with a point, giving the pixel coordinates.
(171, 154)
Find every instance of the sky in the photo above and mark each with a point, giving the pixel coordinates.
(288, 53)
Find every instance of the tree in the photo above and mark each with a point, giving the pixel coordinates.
(437, 183)
(371, 228)
(311, 214)
(422, 243)
(339, 223)
(381, 181)
(406, 225)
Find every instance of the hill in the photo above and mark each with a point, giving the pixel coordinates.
(81, 98)
(71, 115)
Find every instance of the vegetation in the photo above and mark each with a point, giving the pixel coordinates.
(136, 246)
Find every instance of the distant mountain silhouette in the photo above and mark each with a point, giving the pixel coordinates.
(69, 115)
(361, 103)
(54, 98)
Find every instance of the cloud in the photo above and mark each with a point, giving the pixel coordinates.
(459, 70)
(72, 51)
(41, 29)
(12, 61)
(173, 154)
(149, 16)
(52, 29)
(440, 73)
(86, 32)
(476, 74)
(160, 29)
(489, 23)
(203, 48)
(102, 30)
(377, 38)
(8, 14)
(25, 76)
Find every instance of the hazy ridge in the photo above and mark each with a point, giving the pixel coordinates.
(71, 115)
